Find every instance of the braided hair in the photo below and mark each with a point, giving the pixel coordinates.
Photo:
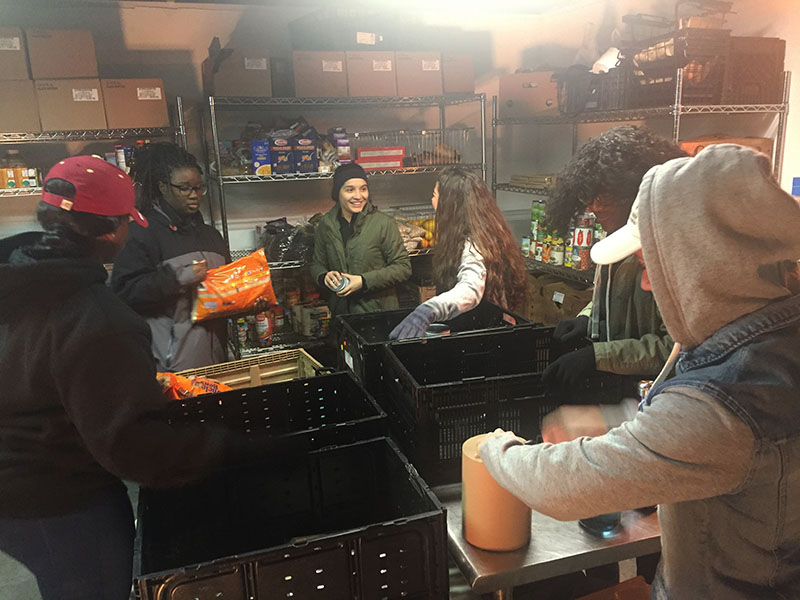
(154, 164)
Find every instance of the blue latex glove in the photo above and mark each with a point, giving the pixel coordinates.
(414, 325)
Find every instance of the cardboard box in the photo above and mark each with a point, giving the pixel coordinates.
(371, 74)
(379, 164)
(458, 75)
(13, 54)
(694, 145)
(131, 103)
(281, 156)
(419, 74)
(425, 292)
(305, 154)
(259, 151)
(236, 71)
(524, 95)
(19, 112)
(320, 74)
(66, 104)
(61, 53)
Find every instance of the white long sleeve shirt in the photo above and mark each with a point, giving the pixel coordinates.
(468, 290)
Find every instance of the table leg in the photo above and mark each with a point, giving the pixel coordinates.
(502, 594)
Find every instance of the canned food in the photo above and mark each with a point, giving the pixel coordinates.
(583, 237)
(584, 258)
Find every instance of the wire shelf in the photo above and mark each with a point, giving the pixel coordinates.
(507, 187)
(560, 271)
(410, 101)
(30, 191)
(81, 135)
(227, 179)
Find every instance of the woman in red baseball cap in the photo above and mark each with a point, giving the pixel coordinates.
(78, 412)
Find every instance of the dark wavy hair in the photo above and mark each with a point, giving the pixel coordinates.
(611, 165)
(468, 211)
(153, 164)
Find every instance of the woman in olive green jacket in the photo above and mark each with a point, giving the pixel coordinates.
(356, 244)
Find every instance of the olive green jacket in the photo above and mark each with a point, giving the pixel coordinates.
(375, 251)
(635, 339)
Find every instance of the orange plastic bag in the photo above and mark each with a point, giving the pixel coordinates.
(178, 387)
(234, 288)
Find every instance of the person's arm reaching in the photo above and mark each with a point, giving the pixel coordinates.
(683, 446)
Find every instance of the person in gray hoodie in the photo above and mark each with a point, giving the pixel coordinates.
(717, 446)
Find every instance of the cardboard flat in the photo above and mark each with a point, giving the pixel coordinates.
(458, 75)
(419, 74)
(131, 103)
(70, 104)
(18, 110)
(13, 54)
(371, 73)
(61, 53)
(320, 74)
(694, 145)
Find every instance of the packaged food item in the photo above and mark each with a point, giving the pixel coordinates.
(178, 387)
(304, 149)
(234, 288)
(281, 156)
(260, 152)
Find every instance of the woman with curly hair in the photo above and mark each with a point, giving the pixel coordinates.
(476, 255)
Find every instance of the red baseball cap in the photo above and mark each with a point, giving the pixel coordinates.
(100, 188)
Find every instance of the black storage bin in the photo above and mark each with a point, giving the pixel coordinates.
(442, 391)
(363, 335)
(754, 74)
(314, 411)
(702, 54)
(344, 522)
(614, 88)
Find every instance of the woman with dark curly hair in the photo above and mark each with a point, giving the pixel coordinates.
(476, 255)
(621, 331)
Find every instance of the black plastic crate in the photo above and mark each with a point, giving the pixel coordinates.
(754, 73)
(315, 411)
(443, 391)
(363, 335)
(344, 522)
(614, 87)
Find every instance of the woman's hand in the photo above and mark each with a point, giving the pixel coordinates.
(356, 283)
(332, 279)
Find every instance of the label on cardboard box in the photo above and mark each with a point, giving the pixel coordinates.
(85, 95)
(382, 65)
(281, 156)
(255, 64)
(305, 155)
(259, 150)
(148, 93)
(388, 151)
(332, 66)
(11, 43)
(368, 39)
(431, 65)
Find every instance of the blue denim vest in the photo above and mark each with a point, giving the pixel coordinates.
(744, 544)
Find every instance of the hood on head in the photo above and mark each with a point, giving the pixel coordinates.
(713, 229)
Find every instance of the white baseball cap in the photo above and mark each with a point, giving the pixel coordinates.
(620, 244)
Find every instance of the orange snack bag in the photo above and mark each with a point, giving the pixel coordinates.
(178, 387)
(234, 288)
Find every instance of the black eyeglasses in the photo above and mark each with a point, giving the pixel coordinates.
(186, 190)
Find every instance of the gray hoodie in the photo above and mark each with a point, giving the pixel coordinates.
(713, 228)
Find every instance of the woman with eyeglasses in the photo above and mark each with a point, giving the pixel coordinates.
(159, 268)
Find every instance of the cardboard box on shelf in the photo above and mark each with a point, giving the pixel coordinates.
(695, 145)
(419, 74)
(425, 292)
(305, 154)
(320, 74)
(239, 71)
(524, 95)
(281, 155)
(13, 54)
(371, 74)
(70, 104)
(19, 112)
(131, 103)
(458, 75)
(61, 53)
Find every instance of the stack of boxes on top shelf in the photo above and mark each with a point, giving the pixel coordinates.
(51, 84)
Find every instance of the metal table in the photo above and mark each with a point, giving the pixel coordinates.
(556, 548)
